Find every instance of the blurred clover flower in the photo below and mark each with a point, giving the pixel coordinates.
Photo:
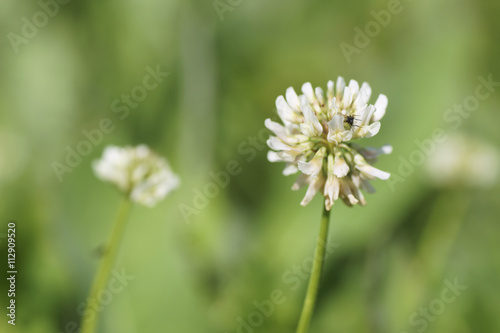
(145, 178)
(317, 135)
(142, 175)
(463, 160)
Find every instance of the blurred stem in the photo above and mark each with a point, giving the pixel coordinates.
(92, 307)
(312, 289)
(440, 234)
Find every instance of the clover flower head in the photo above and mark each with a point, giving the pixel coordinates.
(316, 138)
(142, 175)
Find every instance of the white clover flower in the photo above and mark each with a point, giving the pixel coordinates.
(463, 160)
(316, 138)
(142, 175)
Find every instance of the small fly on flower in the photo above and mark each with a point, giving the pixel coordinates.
(350, 120)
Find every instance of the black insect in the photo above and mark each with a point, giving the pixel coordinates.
(350, 120)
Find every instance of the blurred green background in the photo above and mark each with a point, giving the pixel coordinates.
(227, 61)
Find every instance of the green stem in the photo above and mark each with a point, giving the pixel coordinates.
(312, 289)
(92, 307)
(440, 233)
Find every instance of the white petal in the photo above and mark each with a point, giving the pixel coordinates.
(380, 106)
(292, 129)
(273, 157)
(354, 87)
(314, 166)
(346, 192)
(359, 196)
(386, 149)
(340, 168)
(337, 123)
(336, 131)
(316, 183)
(364, 95)
(284, 110)
(276, 144)
(312, 125)
(340, 137)
(282, 132)
(366, 115)
(347, 98)
(303, 101)
(308, 91)
(330, 90)
(373, 129)
(292, 99)
(363, 166)
(309, 168)
(368, 169)
(290, 169)
(330, 164)
(332, 188)
(113, 166)
(289, 155)
(334, 106)
(275, 127)
(320, 95)
(340, 87)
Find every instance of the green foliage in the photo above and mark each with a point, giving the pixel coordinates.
(253, 237)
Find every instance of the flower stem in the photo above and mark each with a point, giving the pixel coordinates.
(312, 289)
(101, 278)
